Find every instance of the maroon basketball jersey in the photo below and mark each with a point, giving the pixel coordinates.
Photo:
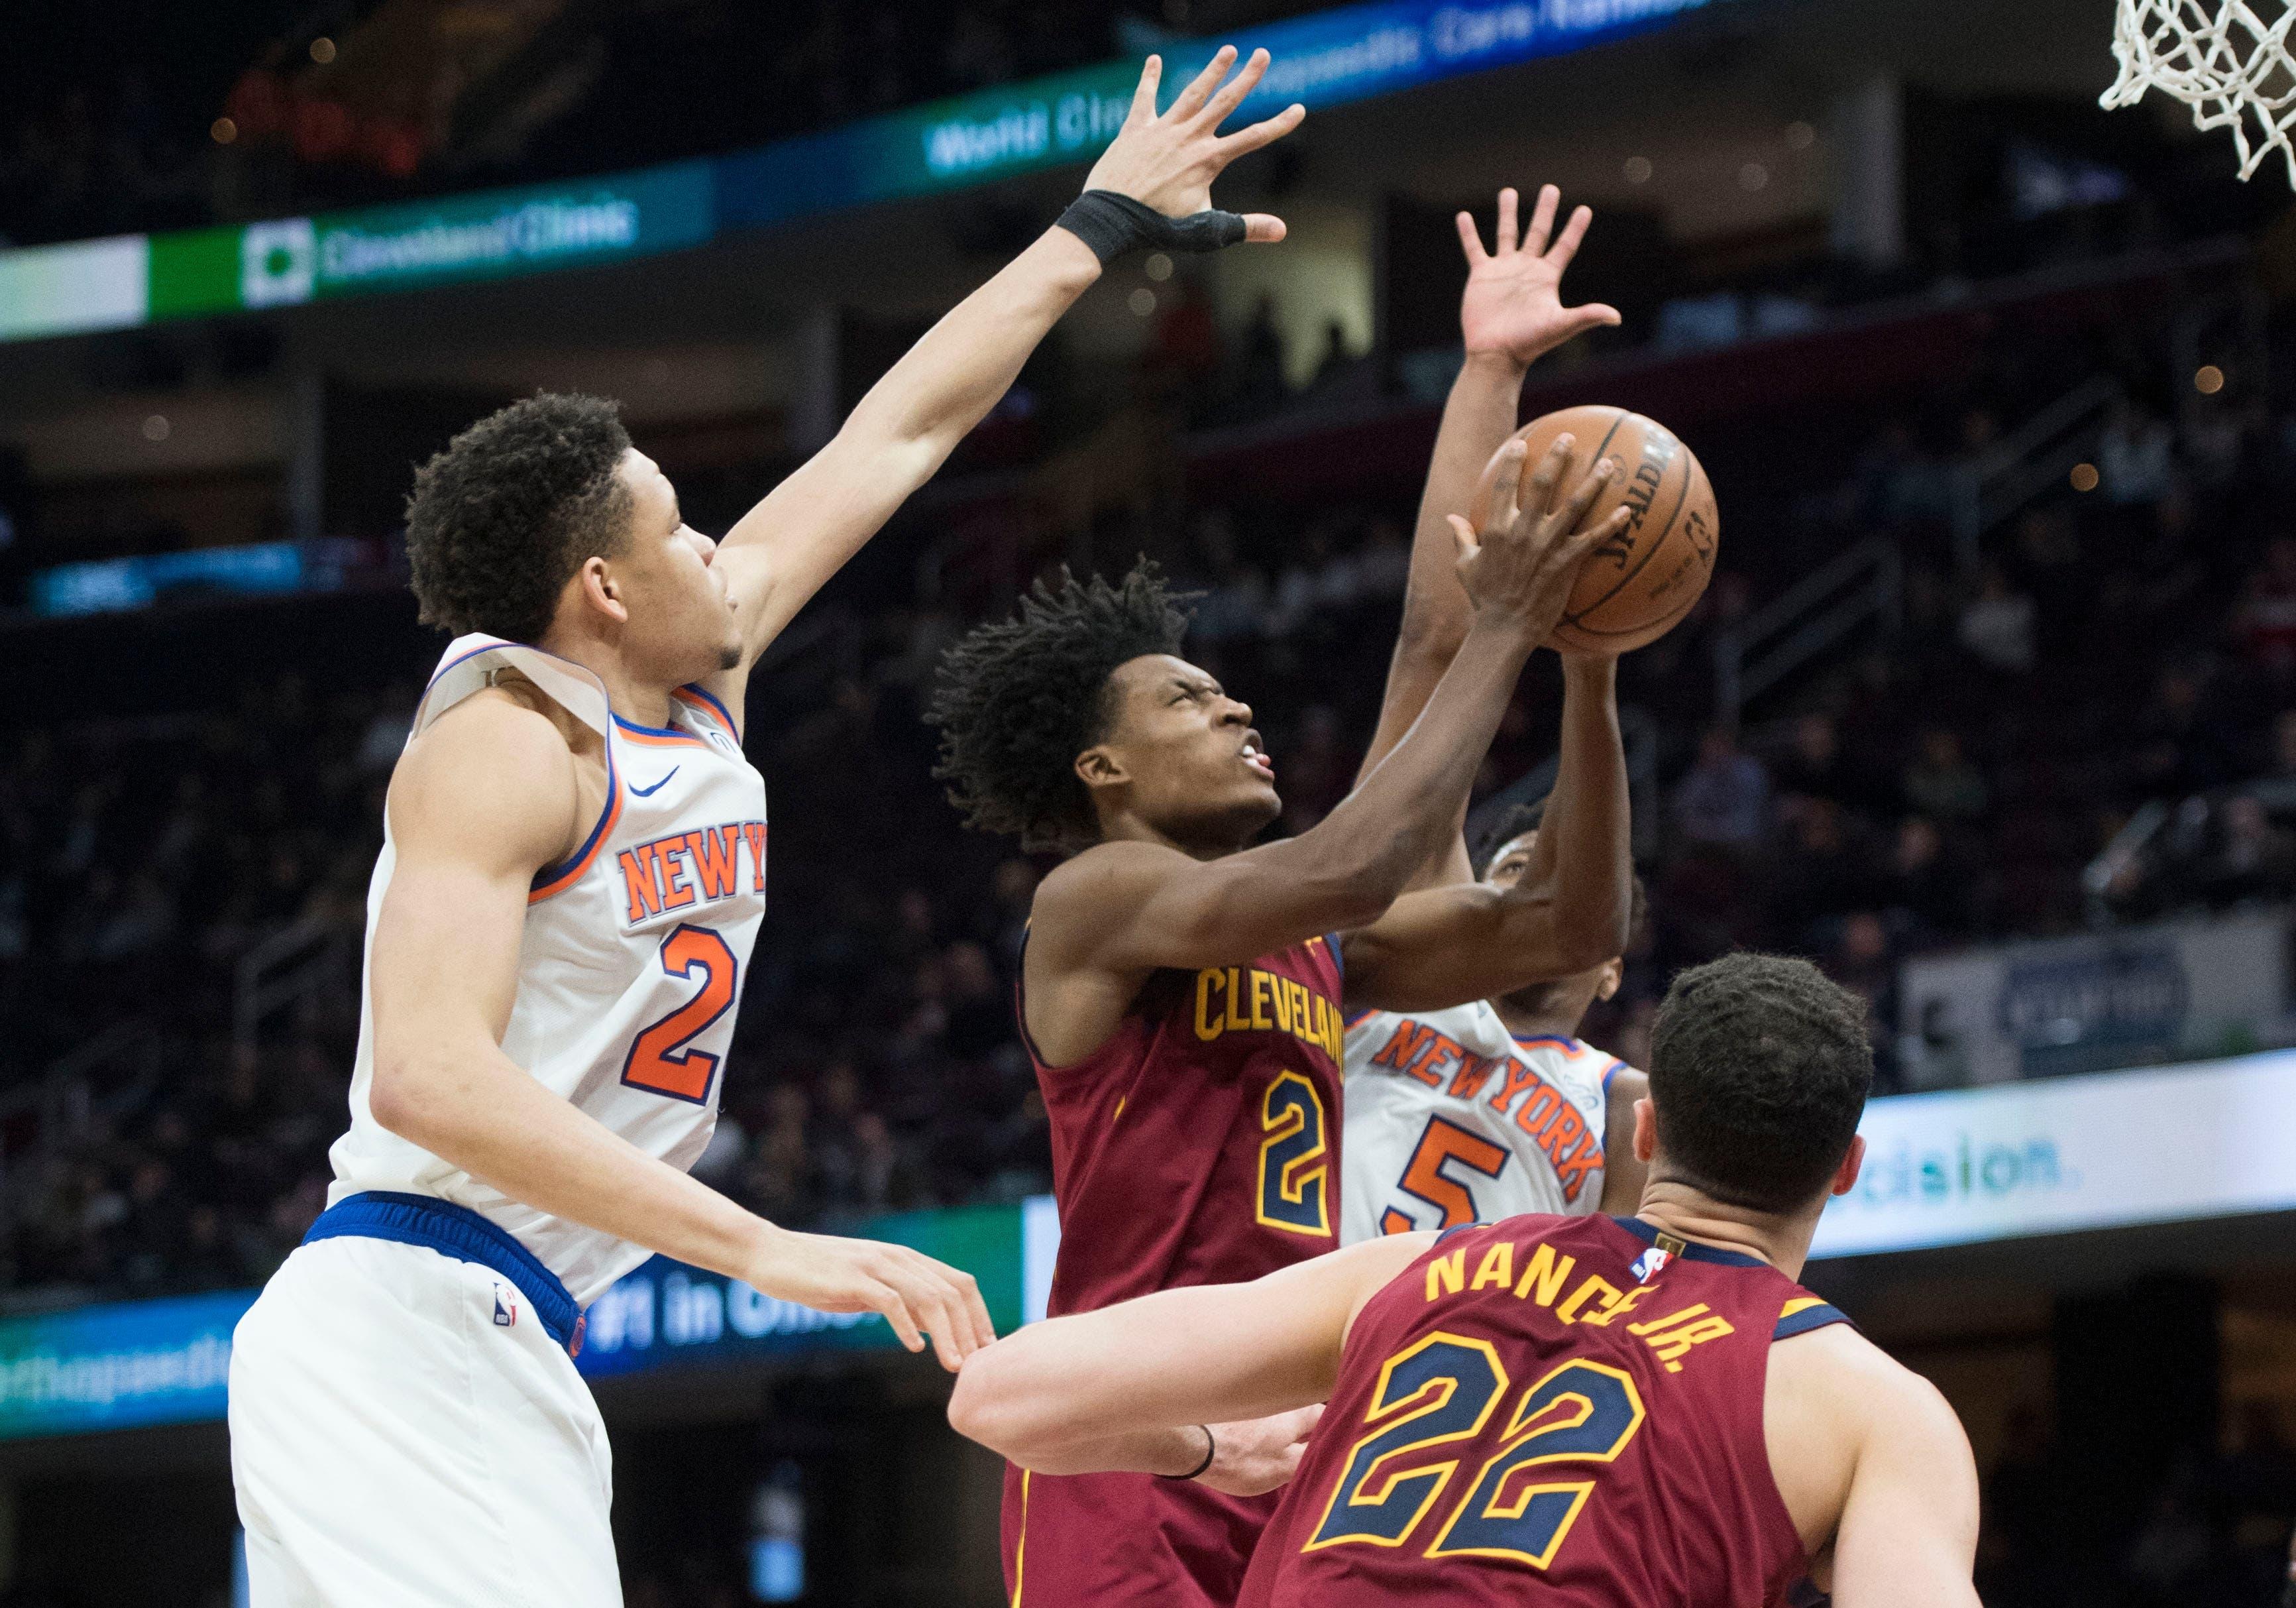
(1200, 1144)
(1549, 1409)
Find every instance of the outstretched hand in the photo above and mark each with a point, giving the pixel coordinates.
(1168, 162)
(915, 1294)
(1513, 302)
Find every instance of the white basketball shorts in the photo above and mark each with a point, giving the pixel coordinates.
(403, 1430)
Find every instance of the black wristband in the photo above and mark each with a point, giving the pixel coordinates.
(1116, 225)
(1210, 1449)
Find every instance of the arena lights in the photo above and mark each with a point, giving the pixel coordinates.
(2209, 381)
(2084, 477)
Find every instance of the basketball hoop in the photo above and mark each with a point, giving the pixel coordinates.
(2222, 58)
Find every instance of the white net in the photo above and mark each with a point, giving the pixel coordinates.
(2226, 59)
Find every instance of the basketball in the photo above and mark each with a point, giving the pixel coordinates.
(1636, 585)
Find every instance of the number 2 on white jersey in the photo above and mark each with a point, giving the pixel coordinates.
(658, 1061)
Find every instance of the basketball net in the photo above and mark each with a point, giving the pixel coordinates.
(2226, 59)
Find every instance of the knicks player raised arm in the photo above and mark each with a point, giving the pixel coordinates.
(1637, 1410)
(571, 880)
(1467, 1108)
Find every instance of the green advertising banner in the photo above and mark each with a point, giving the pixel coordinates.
(490, 235)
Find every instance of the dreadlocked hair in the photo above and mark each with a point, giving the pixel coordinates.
(1019, 699)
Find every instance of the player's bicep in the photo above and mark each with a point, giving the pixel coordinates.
(1138, 906)
(1908, 1535)
(478, 806)
(1444, 947)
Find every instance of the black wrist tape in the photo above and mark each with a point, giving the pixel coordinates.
(1116, 225)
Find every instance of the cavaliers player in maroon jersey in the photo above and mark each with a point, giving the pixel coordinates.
(1590, 1412)
(1180, 990)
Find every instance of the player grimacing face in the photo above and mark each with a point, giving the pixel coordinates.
(682, 624)
(1185, 756)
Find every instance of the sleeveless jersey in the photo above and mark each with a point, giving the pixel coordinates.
(1451, 1120)
(1200, 1144)
(630, 964)
(1553, 1410)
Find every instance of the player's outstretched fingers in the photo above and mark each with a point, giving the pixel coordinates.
(1265, 131)
(1538, 497)
(1573, 233)
(1506, 235)
(894, 1306)
(1191, 99)
(1262, 228)
(1542, 220)
(1463, 534)
(1580, 547)
(1232, 92)
(1471, 239)
(1507, 490)
(1144, 94)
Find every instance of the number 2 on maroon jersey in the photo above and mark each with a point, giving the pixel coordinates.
(1293, 1160)
(1440, 1391)
(658, 1061)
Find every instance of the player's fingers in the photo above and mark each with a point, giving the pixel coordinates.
(1506, 493)
(1567, 247)
(984, 1328)
(1191, 99)
(1471, 239)
(1303, 1422)
(933, 1309)
(1540, 493)
(886, 1299)
(1542, 219)
(1583, 494)
(1579, 547)
(1265, 131)
(1593, 315)
(1232, 92)
(959, 1316)
(1262, 228)
(1506, 235)
(1463, 536)
(1143, 96)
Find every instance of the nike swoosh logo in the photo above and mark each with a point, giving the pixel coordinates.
(647, 792)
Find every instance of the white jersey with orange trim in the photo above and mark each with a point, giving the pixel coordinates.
(1451, 1120)
(631, 963)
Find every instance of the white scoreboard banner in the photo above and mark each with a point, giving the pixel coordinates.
(2215, 1138)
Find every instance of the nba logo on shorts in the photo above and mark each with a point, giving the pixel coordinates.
(505, 1308)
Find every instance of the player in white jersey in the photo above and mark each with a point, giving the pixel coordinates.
(1487, 1110)
(572, 874)
(1464, 1113)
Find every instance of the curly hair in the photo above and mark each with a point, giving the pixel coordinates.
(1759, 1068)
(503, 518)
(1019, 699)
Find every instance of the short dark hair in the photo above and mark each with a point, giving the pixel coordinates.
(1760, 1068)
(1019, 699)
(1518, 819)
(503, 518)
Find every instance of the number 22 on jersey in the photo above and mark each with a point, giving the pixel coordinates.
(1442, 1392)
(659, 1061)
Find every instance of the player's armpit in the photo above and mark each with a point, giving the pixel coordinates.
(1080, 1394)
(1908, 1535)
(1444, 947)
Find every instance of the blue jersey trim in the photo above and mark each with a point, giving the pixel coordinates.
(1811, 1318)
(1338, 960)
(455, 1231)
(1648, 1234)
(651, 731)
(709, 698)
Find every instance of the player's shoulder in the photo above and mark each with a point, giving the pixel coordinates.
(1091, 885)
(496, 755)
(1831, 1368)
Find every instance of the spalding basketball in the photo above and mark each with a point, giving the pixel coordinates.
(1637, 584)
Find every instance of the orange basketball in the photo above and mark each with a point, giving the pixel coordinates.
(1636, 585)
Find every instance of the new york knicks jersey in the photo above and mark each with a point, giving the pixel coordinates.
(631, 962)
(1558, 1410)
(1452, 1120)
